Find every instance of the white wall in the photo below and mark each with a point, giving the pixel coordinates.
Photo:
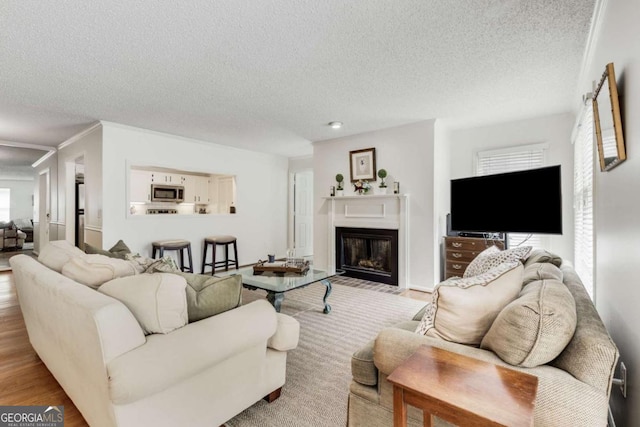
(407, 153)
(21, 197)
(260, 223)
(555, 130)
(88, 146)
(617, 202)
(441, 195)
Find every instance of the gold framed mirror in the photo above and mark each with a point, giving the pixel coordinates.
(608, 121)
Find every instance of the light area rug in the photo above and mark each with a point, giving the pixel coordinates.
(319, 369)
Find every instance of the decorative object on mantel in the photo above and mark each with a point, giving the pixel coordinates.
(396, 187)
(300, 266)
(339, 180)
(362, 164)
(361, 187)
(608, 121)
(382, 188)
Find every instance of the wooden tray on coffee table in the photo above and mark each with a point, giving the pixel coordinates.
(281, 267)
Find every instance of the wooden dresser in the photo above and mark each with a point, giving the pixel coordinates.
(460, 251)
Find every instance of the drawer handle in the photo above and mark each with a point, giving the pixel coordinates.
(456, 244)
(456, 255)
(457, 266)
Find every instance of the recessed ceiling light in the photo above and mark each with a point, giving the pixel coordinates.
(335, 125)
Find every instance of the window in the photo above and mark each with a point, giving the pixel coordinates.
(5, 204)
(584, 158)
(514, 159)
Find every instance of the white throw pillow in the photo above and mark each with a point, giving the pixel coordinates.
(158, 301)
(94, 270)
(492, 257)
(463, 310)
(57, 253)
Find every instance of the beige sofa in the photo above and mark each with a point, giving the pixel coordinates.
(573, 389)
(201, 374)
(11, 238)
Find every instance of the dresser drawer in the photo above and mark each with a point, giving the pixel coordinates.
(471, 244)
(460, 255)
(456, 266)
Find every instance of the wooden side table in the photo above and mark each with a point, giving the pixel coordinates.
(462, 390)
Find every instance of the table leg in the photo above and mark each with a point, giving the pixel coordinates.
(427, 420)
(275, 298)
(399, 407)
(327, 307)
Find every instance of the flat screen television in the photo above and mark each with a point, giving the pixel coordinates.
(527, 201)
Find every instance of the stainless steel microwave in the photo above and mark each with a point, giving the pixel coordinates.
(167, 193)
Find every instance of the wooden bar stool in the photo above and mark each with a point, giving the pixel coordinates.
(174, 245)
(219, 241)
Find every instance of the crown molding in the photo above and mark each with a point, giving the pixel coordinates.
(79, 135)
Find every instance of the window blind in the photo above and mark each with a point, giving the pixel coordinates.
(584, 159)
(5, 204)
(513, 159)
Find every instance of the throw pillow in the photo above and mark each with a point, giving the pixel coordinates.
(541, 255)
(536, 327)
(541, 271)
(92, 250)
(462, 310)
(492, 257)
(145, 264)
(57, 253)
(119, 250)
(208, 295)
(95, 269)
(157, 301)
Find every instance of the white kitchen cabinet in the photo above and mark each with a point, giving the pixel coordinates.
(189, 182)
(166, 178)
(202, 189)
(140, 186)
(226, 193)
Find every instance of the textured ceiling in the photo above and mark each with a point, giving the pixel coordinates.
(269, 75)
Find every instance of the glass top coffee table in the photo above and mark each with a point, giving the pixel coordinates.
(276, 284)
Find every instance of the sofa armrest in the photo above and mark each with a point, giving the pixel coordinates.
(167, 359)
(287, 334)
(393, 346)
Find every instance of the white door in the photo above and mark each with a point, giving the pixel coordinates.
(303, 213)
(44, 208)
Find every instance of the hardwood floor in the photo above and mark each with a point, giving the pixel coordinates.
(24, 379)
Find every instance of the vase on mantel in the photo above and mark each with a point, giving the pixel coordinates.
(339, 193)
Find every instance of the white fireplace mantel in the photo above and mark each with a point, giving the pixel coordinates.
(388, 211)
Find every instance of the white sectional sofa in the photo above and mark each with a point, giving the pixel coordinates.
(201, 374)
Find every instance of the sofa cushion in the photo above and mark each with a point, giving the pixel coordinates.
(57, 253)
(492, 257)
(544, 256)
(462, 310)
(536, 327)
(208, 296)
(158, 301)
(363, 369)
(94, 270)
(541, 271)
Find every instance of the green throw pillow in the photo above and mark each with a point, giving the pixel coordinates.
(93, 250)
(119, 250)
(208, 295)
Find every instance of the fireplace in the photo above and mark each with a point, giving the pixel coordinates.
(368, 253)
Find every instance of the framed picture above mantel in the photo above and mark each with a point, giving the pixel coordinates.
(362, 164)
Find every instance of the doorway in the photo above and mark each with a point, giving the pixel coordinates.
(303, 213)
(44, 208)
